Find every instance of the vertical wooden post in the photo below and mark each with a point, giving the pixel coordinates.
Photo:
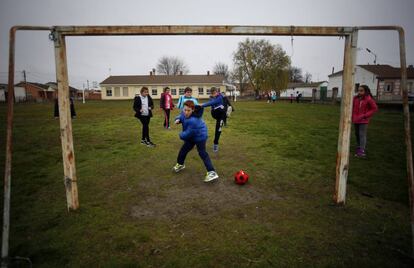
(407, 128)
(9, 146)
(342, 157)
(68, 155)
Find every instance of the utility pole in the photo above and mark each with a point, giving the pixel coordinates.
(25, 84)
(83, 93)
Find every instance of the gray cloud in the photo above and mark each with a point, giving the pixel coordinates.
(91, 57)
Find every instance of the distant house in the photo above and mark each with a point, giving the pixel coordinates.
(53, 86)
(126, 86)
(307, 90)
(383, 80)
(3, 90)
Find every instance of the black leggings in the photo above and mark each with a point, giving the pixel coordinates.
(166, 118)
(145, 120)
(219, 115)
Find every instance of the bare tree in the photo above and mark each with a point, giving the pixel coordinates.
(171, 66)
(308, 77)
(222, 69)
(265, 65)
(295, 74)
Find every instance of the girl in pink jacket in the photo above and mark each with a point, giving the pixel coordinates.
(364, 107)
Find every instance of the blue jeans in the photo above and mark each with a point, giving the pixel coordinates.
(201, 148)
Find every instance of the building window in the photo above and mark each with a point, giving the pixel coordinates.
(117, 91)
(200, 91)
(108, 92)
(388, 86)
(174, 91)
(181, 91)
(154, 92)
(410, 88)
(125, 91)
(208, 91)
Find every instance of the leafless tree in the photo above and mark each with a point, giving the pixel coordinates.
(171, 66)
(222, 69)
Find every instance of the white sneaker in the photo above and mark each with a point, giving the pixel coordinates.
(178, 167)
(211, 176)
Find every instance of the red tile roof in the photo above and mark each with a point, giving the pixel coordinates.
(383, 71)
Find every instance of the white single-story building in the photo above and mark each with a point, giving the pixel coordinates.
(19, 93)
(127, 86)
(306, 89)
(383, 80)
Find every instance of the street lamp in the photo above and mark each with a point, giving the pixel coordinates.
(375, 55)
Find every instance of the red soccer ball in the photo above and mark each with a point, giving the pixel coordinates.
(241, 177)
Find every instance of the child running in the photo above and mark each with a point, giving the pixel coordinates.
(364, 107)
(217, 112)
(188, 92)
(143, 106)
(167, 105)
(194, 133)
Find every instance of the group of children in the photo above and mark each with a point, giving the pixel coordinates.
(194, 128)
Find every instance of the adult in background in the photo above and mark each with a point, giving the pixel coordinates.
(72, 108)
(143, 106)
(166, 104)
(364, 107)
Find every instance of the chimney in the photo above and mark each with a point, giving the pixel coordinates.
(181, 72)
(208, 72)
(333, 69)
(150, 73)
(153, 71)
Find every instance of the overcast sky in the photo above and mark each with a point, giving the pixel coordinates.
(94, 58)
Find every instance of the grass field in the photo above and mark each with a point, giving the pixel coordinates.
(135, 212)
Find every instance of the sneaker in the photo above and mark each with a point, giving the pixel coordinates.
(361, 153)
(215, 148)
(144, 142)
(150, 144)
(177, 168)
(211, 176)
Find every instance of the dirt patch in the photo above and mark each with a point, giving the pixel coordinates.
(189, 197)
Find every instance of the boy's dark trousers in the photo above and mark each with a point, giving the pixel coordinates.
(145, 120)
(220, 116)
(201, 148)
(166, 118)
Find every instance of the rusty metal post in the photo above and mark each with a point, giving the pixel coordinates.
(407, 128)
(9, 146)
(68, 155)
(342, 157)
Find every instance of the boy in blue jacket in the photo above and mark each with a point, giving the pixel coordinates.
(194, 133)
(218, 112)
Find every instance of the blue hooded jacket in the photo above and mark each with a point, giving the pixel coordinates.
(216, 103)
(194, 128)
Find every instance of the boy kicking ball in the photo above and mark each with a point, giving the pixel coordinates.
(194, 134)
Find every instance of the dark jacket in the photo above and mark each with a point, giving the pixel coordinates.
(162, 102)
(216, 102)
(363, 109)
(138, 105)
(194, 128)
(72, 108)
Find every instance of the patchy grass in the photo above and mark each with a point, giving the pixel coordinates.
(136, 212)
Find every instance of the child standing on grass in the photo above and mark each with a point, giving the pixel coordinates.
(218, 113)
(194, 134)
(363, 109)
(143, 106)
(188, 92)
(167, 105)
